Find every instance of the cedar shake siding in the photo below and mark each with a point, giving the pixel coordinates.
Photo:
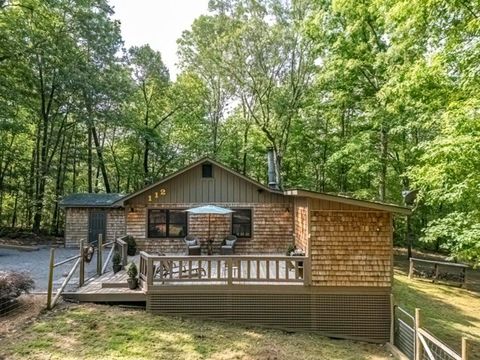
(76, 224)
(272, 228)
(351, 248)
(301, 224)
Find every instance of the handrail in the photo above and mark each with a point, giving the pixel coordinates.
(158, 270)
(53, 265)
(444, 263)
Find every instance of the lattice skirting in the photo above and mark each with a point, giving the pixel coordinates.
(351, 316)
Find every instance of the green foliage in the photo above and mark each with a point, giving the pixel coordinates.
(116, 258)
(131, 245)
(132, 270)
(363, 99)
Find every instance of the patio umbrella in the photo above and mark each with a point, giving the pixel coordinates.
(209, 209)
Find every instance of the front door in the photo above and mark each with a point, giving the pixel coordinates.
(97, 221)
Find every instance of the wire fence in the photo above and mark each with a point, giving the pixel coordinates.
(409, 336)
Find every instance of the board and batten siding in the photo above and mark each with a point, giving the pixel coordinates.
(272, 228)
(190, 187)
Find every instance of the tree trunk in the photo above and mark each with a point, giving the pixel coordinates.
(101, 162)
(383, 165)
(89, 162)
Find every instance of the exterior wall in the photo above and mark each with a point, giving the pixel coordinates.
(190, 188)
(351, 248)
(115, 223)
(272, 228)
(76, 226)
(302, 230)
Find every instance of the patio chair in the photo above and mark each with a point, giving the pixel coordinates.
(193, 245)
(228, 245)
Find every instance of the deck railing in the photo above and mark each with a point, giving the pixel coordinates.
(159, 270)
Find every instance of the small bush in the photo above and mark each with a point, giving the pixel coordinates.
(132, 271)
(117, 258)
(13, 284)
(132, 245)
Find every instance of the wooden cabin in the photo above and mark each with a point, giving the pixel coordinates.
(342, 290)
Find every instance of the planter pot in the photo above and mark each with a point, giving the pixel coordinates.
(132, 283)
(117, 268)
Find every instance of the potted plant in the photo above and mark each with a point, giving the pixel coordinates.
(117, 262)
(131, 245)
(132, 273)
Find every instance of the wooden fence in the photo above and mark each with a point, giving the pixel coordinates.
(79, 263)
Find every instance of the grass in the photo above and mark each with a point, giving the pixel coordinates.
(108, 332)
(448, 312)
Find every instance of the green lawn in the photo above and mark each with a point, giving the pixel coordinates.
(448, 312)
(108, 332)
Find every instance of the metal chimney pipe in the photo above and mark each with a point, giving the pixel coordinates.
(272, 181)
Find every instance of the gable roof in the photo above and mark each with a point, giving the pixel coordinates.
(191, 166)
(90, 200)
(350, 201)
(288, 192)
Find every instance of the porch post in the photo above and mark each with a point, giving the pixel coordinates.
(99, 255)
(81, 271)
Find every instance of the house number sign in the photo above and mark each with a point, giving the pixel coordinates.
(161, 192)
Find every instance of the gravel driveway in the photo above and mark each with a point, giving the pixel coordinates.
(35, 263)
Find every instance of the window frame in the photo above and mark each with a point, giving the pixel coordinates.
(167, 224)
(250, 223)
(203, 171)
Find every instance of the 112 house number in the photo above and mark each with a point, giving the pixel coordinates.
(162, 192)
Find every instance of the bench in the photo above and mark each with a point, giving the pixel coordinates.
(431, 270)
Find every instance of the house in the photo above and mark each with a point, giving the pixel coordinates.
(347, 269)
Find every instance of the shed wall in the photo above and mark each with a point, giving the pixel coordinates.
(76, 224)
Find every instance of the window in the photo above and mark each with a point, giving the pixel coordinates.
(167, 223)
(207, 170)
(242, 223)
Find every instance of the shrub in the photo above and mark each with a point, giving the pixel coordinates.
(117, 258)
(13, 284)
(132, 271)
(131, 245)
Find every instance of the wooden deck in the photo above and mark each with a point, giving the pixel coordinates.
(164, 273)
(107, 288)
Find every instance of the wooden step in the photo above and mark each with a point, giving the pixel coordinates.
(113, 285)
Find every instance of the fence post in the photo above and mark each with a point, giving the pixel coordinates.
(50, 278)
(418, 343)
(410, 270)
(99, 255)
(464, 348)
(392, 319)
(81, 271)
